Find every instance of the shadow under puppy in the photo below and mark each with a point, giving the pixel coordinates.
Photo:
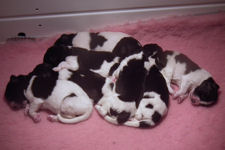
(41, 89)
(192, 80)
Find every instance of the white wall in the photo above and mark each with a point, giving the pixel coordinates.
(46, 17)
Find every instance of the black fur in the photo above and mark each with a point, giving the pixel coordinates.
(130, 83)
(14, 90)
(90, 82)
(96, 40)
(126, 47)
(86, 59)
(190, 65)
(155, 82)
(42, 85)
(207, 91)
(65, 40)
(156, 52)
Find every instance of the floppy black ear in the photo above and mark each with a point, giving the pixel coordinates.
(12, 78)
(214, 84)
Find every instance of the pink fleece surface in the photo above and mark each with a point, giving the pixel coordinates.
(186, 127)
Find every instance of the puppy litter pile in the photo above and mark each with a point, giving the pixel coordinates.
(200, 121)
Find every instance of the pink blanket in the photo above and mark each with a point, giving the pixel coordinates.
(186, 127)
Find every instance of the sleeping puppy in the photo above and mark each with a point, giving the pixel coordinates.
(154, 104)
(80, 59)
(191, 79)
(123, 91)
(45, 91)
(118, 43)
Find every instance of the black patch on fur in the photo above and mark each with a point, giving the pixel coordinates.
(123, 117)
(144, 125)
(163, 59)
(111, 85)
(190, 65)
(150, 106)
(130, 83)
(155, 82)
(86, 59)
(65, 40)
(113, 112)
(126, 47)
(96, 40)
(207, 91)
(156, 52)
(56, 54)
(156, 117)
(113, 68)
(42, 87)
(91, 83)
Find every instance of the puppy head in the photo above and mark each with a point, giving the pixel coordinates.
(206, 93)
(14, 92)
(65, 40)
(55, 55)
(154, 51)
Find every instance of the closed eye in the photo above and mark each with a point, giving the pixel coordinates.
(147, 96)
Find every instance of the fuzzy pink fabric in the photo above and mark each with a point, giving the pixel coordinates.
(186, 127)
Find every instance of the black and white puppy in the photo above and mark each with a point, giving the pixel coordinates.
(154, 104)
(45, 91)
(123, 91)
(118, 43)
(192, 80)
(80, 59)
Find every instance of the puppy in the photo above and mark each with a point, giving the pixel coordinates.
(44, 91)
(122, 91)
(97, 62)
(154, 104)
(118, 43)
(190, 78)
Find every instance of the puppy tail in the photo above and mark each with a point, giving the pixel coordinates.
(140, 123)
(78, 119)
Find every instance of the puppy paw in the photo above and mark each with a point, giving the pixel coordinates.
(37, 118)
(26, 110)
(56, 69)
(52, 118)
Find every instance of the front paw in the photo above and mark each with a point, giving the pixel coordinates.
(52, 118)
(57, 69)
(171, 91)
(180, 98)
(36, 118)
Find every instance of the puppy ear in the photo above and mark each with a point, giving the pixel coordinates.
(12, 78)
(214, 84)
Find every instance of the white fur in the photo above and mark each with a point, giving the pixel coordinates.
(105, 67)
(175, 73)
(67, 109)
(82, 39)
(110, 100)
(71, 62)
(145, 114)
(125, 61)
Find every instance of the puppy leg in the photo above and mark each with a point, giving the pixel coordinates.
(168, 76)
(34, 107)
(70, 63)
(182, 93)
(101, 110)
